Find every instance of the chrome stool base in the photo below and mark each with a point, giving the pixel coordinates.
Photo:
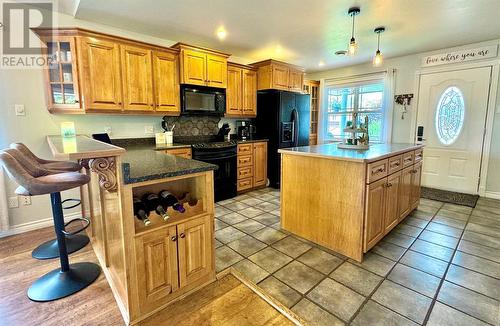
(50, 249)
(57, 284)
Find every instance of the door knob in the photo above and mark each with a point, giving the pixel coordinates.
(174, 238)
(182, 235)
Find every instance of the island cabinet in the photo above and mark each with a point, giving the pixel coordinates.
(273, 74)
(98, 73)
(252, 165)
(202, 66)
(241, 92)
(352, 198)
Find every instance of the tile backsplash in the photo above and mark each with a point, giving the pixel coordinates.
(194, 126)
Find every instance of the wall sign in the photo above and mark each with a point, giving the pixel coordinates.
(460, 56)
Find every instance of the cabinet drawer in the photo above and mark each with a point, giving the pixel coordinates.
(182, 152)
(245, 149)
(395, 164)
(377, 170)
(407, 159)
(245, 172)
(245, 160)
(244, 184)
(419, 154)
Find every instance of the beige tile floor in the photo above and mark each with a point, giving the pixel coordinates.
(440, 266)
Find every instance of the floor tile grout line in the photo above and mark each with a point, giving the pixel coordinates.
(443, 279)
(465, 313)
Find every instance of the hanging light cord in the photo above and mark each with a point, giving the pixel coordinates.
(352, 33)
(378, 42)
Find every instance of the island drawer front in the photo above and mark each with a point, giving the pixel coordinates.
(245, 160)
(244, 184)
(245, 149)
(377, 170)
(419, 154)
(407, 159)
(245, 172)
(395, 164)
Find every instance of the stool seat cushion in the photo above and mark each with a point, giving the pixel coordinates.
(53, 183)
(59, 166)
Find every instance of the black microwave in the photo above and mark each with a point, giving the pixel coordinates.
(200, 100)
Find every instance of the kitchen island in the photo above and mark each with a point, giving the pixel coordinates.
(348, 200)
(147, 266)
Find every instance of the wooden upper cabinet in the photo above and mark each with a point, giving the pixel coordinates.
(374, 214)
(194, 68)
(249, 92)
(202, 66)
(296, 80)
(274, 74)
(195, 249)
(281, 77)
(260, 164)
(137, 78)
(157, 272)
(101, 75)
(166, 82)
(216, 71)
(234, 91)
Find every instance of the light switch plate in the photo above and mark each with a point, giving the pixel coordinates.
(149, 130)
(19, 108)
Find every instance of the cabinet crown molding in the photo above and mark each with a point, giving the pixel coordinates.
(183, 46)
(273, 61)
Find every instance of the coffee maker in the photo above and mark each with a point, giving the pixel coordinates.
(246, 130)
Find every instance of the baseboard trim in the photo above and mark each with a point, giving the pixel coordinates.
(492, 194)
(35, 225)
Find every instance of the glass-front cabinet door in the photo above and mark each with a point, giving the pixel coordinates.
(61, 76)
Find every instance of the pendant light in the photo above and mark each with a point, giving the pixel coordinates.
(353, 46)
(378, 59)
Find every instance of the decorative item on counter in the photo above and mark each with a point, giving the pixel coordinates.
(352, 129)
(404, 100)
(68, 129)
(160, 138)
(69, 145)
(169, 131)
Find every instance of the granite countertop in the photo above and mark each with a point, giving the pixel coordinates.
(81, 147)
(375, 153)
(143, 164)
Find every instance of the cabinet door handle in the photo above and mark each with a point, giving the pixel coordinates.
(389, 185)
(174, 238)
(182, 235)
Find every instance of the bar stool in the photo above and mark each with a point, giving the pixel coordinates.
(74, 241)
(69, 279)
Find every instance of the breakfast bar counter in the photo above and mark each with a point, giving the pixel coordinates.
(348, 200)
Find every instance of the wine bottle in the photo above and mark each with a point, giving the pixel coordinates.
(141, 212)
(152, 202)
(167, 200)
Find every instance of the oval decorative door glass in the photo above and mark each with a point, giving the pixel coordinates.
(450, 113)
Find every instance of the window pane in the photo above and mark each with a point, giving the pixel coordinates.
(375, 126)
(371, 97)
(69, 94)
(450, 114)
(336, 124)
(340, 100)
(57, 97)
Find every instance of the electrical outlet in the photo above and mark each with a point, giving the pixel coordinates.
(19, 108)
(148, 130)
(108, 130)
(25, 200)
(13, 202)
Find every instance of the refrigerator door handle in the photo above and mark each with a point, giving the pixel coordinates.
(296, 122)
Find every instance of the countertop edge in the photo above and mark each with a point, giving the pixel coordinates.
(112, 150)
(331, 157)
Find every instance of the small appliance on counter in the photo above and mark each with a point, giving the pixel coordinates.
(224, 131)
(246, 130)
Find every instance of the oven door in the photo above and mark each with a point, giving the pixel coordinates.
(225, 177)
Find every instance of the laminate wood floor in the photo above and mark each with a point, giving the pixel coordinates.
(224, 302)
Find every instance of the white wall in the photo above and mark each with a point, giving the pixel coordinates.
(405, 82)
(27, 87)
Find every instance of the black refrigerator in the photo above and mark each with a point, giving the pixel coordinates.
(283, 118)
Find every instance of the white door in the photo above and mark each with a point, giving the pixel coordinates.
(452, 111)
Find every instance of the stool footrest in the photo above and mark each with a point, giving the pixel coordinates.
(77, 201)
(82, 219)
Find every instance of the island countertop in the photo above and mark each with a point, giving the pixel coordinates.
(81, 147)
(142, 164)
(330, 151)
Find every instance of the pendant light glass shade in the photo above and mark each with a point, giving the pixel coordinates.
(378, 59)
(352, 49)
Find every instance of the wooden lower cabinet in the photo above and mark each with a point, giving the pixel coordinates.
(182, 152)
(157, 274)
(194, 243)
(252, 166)
(391, 198)
(171, 259)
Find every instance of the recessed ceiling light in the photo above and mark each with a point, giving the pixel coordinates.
(341, 52)
(221, 33)
(321, 63)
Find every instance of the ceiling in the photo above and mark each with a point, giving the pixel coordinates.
(303, 32)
